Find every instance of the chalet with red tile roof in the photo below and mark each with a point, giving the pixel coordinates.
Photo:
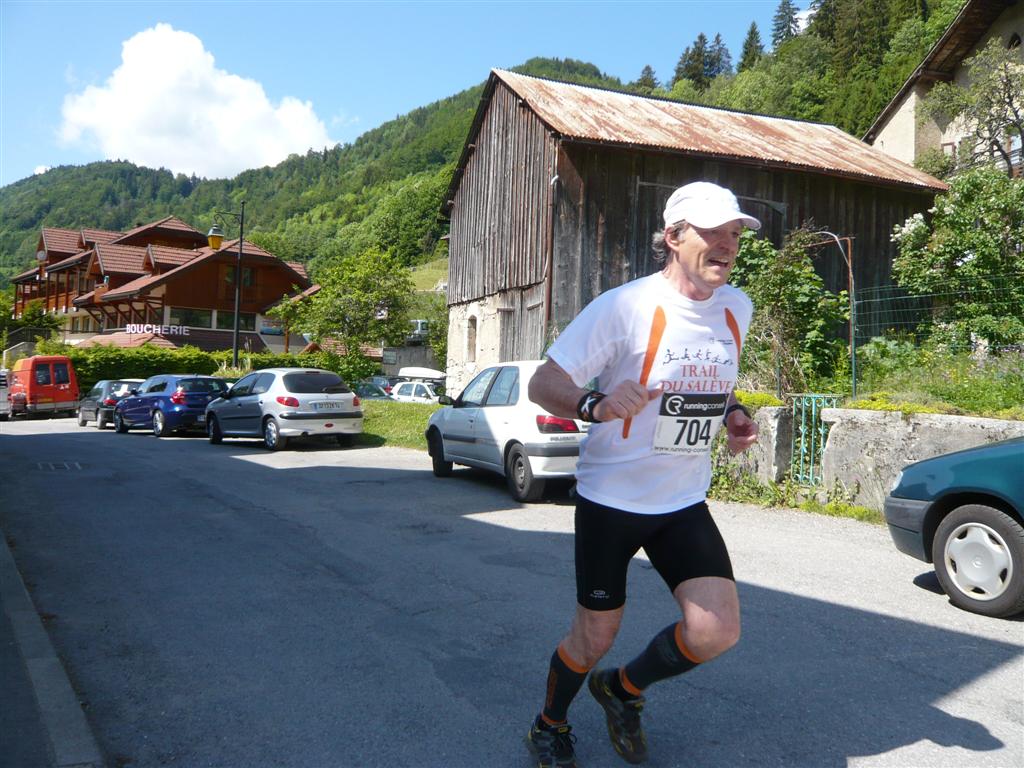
(158, 283)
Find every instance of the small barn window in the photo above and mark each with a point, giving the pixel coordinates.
(471, 340)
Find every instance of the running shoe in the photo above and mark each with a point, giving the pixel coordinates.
(552, 747)
(624, 727)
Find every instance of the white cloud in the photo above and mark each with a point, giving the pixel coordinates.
(40, 169)
(168, 106)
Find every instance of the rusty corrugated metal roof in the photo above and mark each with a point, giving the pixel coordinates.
(592, 114)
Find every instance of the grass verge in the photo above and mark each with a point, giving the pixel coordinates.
(401, 425)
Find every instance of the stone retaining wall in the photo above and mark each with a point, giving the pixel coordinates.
(866, 450)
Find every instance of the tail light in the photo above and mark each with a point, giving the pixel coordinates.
(289, 402)
(178, 398)
(355, 400)
(549, 424)
(110, 401)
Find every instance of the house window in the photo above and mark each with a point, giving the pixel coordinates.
(226, 321)
(471, 340)
(194, 318)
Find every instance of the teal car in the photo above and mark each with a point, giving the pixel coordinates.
(964, 512)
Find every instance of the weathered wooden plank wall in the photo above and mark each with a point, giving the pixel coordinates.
(609, 202)
(500, 222)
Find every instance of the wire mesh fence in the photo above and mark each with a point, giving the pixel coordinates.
(891, 311)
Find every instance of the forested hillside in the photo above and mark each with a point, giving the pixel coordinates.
(384, 190)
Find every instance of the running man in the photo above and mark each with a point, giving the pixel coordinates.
(664, 351)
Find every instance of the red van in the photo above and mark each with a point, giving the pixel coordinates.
(43, 384)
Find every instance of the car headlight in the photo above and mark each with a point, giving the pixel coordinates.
(896, 482)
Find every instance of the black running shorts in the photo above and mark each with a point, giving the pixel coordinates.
(681, 545)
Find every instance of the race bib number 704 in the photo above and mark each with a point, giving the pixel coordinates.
(688, 423)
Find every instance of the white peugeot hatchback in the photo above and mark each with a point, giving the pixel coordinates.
(493, 425)
(278, 404)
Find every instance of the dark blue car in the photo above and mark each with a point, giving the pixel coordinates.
(169, 403)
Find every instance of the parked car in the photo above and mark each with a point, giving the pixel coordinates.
(168, 403)
(279, 404)
(5, 399)
(493, 425)
(414, 392)
(387, 383)
(43, 384)
(964, 512)
(367, 390)
(98, 404)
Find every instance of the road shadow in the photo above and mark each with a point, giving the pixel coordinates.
(213, 607)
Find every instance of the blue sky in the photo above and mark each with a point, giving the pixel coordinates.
(219, 86)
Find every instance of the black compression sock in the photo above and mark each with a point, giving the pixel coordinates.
(663, 657)
(565, 678)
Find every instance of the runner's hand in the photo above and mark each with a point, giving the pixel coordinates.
(626, 400)
(742, 431)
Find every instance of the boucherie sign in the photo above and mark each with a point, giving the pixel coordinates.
(159, 330)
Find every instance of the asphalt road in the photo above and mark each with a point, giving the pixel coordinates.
(226, 606)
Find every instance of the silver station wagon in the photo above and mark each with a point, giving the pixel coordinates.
(278, 404)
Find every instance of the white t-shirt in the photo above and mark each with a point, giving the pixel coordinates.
(661, 461)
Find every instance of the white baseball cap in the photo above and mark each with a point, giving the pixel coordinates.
(705, 205)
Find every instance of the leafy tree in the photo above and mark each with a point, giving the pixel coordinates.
(975, 271)
(792, 340)
(990, 107)
(719, 60)
(35, 316)
(753, 48)
(363, 299)
(784, 23)
(437, 327)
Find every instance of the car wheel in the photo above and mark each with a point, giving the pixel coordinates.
(213, 430)
(101, 420)
(82, 421)
(272, 437)
(435, 446)
(119, 425)
(978, 553)
(159, 424)
(521, 482)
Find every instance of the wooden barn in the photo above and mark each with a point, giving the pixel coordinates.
(560, 187)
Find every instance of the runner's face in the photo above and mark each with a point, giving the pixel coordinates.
(705, 257)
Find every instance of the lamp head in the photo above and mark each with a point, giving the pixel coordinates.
(215, 237)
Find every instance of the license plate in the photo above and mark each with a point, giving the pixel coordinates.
(328, 405)
(201, 419)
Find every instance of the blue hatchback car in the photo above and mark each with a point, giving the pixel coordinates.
(169, 403)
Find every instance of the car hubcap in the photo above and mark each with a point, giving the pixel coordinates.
(519, 472)
(978, 561)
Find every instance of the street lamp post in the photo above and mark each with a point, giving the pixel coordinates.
(847, 254)
(215, 237)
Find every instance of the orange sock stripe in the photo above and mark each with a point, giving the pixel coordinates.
(682, 646)
(549, 721)
(627, 684)
(570, 662)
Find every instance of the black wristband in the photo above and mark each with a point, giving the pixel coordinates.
(736, 407)
(585, 407)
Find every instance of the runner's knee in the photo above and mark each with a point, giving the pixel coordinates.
(709, 636)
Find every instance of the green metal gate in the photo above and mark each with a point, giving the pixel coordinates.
(809, 435)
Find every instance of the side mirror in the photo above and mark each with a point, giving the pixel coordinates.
(445, 400)
(133, 391)
(226, 394)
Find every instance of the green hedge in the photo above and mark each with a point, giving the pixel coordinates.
(109, 362)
